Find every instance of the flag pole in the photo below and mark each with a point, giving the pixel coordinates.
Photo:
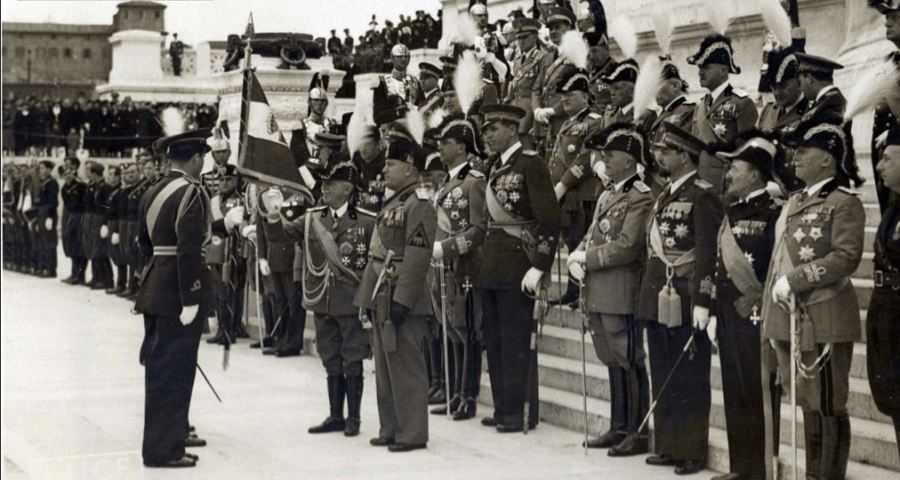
(246, 91)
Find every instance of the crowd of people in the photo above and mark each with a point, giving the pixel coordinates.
(433, 217)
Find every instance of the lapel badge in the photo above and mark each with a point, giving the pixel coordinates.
(604, 225)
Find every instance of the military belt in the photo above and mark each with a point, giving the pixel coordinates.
(378, 258)
(165, 251)
(887, 279)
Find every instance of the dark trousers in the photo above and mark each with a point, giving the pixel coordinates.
(508, 321)
(342, 344)
(170, 356)
(47, 246)
(883, 349)
(289, 308)
(401, 381)
(681, 417)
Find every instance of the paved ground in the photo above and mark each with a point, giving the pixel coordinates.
(72, 408)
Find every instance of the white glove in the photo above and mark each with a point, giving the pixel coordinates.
(711, 330)
(272, 199)
(48, 224)
(264, 267)
(114, 239)
(881, 139)
(531, 280)
(578, 256)
(188, 314)
(437, 253)
(248, 230)
(560, 190)
(234, 217)
(576, 271)
(104, 231)
(600, 169)
(701, 317)
(781, 292)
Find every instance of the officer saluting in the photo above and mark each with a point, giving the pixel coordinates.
(174, 297)
(335, 239)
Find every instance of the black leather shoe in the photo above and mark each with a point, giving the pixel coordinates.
(241, 333)
(180, 463)
(268, 342)
(608, 440)
(689, 467)
(442, 410)
(406, 447)
(256, 345)
(352, 428)
(114, 290)
(438, 398)
(192, 456)
(730, 476)
(633, 444)
(511, 428)
(99, 286)
(331, 424)
(194, 442)
(269, 351)
(466, 410)
(217, 340)
(489, 422)
(660, 460)
(287, 352)
(381, 442)
(131, 297)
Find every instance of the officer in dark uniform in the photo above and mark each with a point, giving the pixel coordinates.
(676, 290)
(519, 90)
(725, 111)
(745, 243)
(600, 62)
(818, 245)
(826, 102)
(115, 223)
(146, 164)
(546, 103)
(369, 163)
(73, 213)
(429, 74)
(174, 297)
(882, 332)
(176, 50)
(886, 115)
(46, 203)
(393, 291)
(610, 259)
(335, 237)
(676, 109)
(521, 242)
(782, 118)
(102, 208)
(461, 231)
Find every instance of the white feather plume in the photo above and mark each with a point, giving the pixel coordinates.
(574, 48)
(172, 121)
(466, 30)
(437, 117)
(719, 14)
(415, 123)
(647, 85)
(467, 81)
(877, 85)
(663, 27)
(777, 20)
(623, 31)
(358, 130)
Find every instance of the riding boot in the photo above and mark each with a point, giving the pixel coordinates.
(812, 429)
(835, 447)
(636, 399)
(437, 373)
(354, 400)
(618, 411)
(471, 382)
(335, 421)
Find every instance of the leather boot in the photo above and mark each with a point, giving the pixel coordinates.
(835, 447)
(436, 368)
(812, 429)
(354, 400)
(335, 421)
(471, 381)
(636, 398)
(455, 404)
(618, 412)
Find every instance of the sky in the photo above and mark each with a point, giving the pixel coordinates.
(203, 20)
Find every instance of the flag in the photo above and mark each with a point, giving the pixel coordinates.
(264, 155)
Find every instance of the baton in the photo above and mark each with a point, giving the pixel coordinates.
(210, 384)
(666, 383)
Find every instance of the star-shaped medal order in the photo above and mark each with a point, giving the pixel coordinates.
(571, 148)
(664, 228)
(749, 257)
(670, 242)
(807, 253)
(681, 230)
(815, 233)
(720, 129)
(799, 234)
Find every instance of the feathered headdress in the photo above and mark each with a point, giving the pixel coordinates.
(574, 48)
(776, 19)
(467, 80)
(663, 28)
(623, 31)
(877, 85)
(647, 85)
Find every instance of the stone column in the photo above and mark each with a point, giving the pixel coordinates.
(135, 56)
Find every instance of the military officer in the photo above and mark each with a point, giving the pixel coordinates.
(621, 93)
(393, 292)
(400, 83)
(886, 114)
(519, 248)
(600, 63)
(882, 338)
(458, 245)
(174, 297)
(677, 110)
(725, 111)
(818, 245)
(304, 143)
(46, 204)
(221, 152)
(676, 289)
(369, 163)
(610, 259)
(525, 70)
(545, 101)
(782, 118)
(429, 74)
(73, 213)
(335, 238)
(115, 222)
(826, 102)
(745, 243)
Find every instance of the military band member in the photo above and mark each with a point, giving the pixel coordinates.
(545, 101)
(73, 213)
(304, 143)
(610, 259)
(521, 242)
(818, 245)
(745, 243)
(335, 239)
(458, 245)
(525, 70)
(886, 114)
(882, 336)
(174, 297)
(782, 118)
(725, 111)
(393, 291)
(676, 290)
(46, 203)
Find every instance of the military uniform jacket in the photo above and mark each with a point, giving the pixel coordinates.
(523, 189)
(829, 108)
(370, 185)
(406, 87)
(722, 119)
(211, 179)
(752, 225)
(176, 275)
(118, 207)
(330, 293)
(679, 112)
(887, 241)
(304, 146)
(461, 221)
(280, 253)
(782, 124)
(47, 200)
(73, 196)
(431, 102)
(570, 163)
(526, 69)
(216, 252)
(134, 199)
(615, 247)
(599, 89)
(406, 225)
(686, 220)
(550, 70)
(818, 245)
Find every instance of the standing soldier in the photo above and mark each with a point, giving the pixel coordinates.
(610, 259)
(115, 222)
(826, 102)
(886, 114)
(369, 163)
(304, 144)
(725, 111)
(525, 70)
(400, 83)
(100, 258)
(174, 297)
(92, 221)
(221, 152)
(745, 243)
(335, 239)
(782, 118)
(46, 203)
(393, 291)
(818, 245)
(73, 213)
(522, 237)
(461, 230)
(676, 290)
(545, 101)
(429, 74)
(176, 50)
